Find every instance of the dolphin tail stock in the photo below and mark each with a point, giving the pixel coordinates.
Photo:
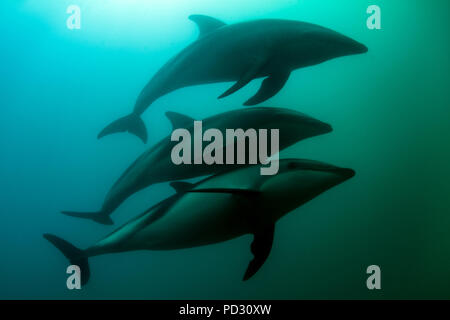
(131, 123)
(73, 254)
(99, 216)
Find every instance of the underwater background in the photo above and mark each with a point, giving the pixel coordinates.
(389, 109)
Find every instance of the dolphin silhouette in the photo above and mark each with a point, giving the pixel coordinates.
(239, 52)
(155, 165)
(217, 209)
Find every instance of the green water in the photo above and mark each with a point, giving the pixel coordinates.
(389, 109)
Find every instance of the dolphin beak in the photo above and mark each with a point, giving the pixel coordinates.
(320, 126)
(326, 127)
(357, 47)
(362, 48)
(346, 173)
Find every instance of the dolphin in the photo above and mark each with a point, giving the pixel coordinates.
(240, 52)
(155, 165)
(216, 209)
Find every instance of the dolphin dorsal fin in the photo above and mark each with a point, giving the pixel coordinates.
(179, 120)
(241, 192)
(206, 24)
(181, 186)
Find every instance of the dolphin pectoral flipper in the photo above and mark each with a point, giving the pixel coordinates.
(248, 76)
(206, 24)
(181, 186)
(98, 216)
(270, 87)
(261, 246)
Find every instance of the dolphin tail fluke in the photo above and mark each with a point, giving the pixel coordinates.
(75, 255)
(131, 123)
(98, 216)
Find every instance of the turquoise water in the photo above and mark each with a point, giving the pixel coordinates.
(389, 109)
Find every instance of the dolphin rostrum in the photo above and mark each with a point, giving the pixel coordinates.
(239, 52)
(217, 209)
(155, 165)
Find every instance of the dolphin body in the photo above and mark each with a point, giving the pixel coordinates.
(155, 165)
(239, 52)
(217, 209)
